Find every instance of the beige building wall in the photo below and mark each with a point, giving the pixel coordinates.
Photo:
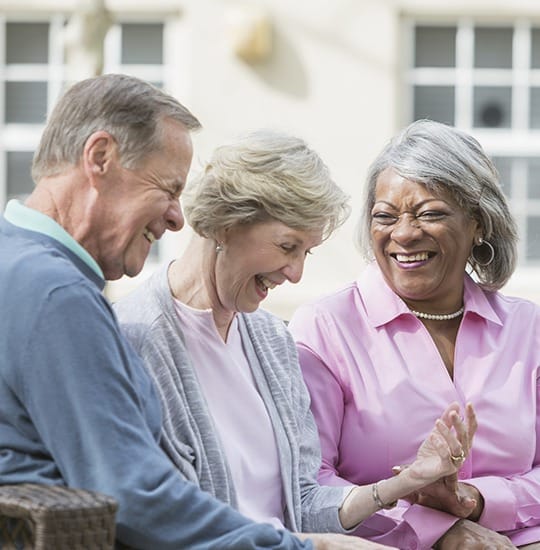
(333, 75)
(330, 78)
(323, 80)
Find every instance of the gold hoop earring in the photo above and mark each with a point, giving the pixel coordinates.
(483, 253)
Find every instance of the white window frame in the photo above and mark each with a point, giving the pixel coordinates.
(171, 73)
(25, 137)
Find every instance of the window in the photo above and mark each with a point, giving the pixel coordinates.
(29, 81)
(485, 79)
(32, 77)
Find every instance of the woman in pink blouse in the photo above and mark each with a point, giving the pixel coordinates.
(425, 325)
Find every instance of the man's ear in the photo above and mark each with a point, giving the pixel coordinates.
(100, 151)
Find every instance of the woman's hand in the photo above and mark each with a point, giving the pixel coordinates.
(335, 541)
(467, 535)
(447, 494)
(444, 450)
(465, 430)
(440, 456)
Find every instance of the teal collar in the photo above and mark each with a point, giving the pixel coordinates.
(28, 218)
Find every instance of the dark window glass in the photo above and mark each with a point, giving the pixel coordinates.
(27, 43)
(19, 180)
(504, 167)
(493, 48)
(533, 238)
(142, 43)
(533, 178)
(534, 115)
(435, 47)
(26, 102)
(535, 48)
(492, 107)
(435, 103)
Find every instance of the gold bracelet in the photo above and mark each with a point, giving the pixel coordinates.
(380, 504)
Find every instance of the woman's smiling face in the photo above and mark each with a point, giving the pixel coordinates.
(258, 257)
(421, 241)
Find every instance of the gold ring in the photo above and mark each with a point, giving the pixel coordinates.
(457, 460)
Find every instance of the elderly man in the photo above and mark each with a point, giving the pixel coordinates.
(76, 406)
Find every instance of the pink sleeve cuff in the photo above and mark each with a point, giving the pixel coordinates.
(428, 525)
(500, 507)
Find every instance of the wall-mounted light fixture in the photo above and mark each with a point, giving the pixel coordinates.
(250, 32)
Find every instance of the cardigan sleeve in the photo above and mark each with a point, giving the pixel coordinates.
(313, 507)
(320, 504)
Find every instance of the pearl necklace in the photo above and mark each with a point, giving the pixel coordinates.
(438, 316)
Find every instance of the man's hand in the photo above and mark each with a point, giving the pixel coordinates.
(334, 541)
(467, 535)
(449, 495)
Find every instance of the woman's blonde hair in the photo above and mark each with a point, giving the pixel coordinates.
(260, 176)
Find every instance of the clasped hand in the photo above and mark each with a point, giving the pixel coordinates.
(439, 459)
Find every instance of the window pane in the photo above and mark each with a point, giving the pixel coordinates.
(435, 47)
(142, 43)
(27, 42)
(533, 238)
(493, 48)
(535, 48)
(19, 180)
(534, 116)
(435, 103)
(504, 167)
(533, 178)
(26, 102)
(492, 107)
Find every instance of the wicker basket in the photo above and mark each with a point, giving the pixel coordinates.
(42, 517)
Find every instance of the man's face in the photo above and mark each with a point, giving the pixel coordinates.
(143, 204)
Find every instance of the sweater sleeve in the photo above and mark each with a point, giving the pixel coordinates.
(95, 410)
(320, 504)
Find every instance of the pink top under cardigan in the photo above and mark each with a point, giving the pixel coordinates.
(239, 414)
(378, 383)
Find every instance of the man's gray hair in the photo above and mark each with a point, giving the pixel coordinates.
(129, 109)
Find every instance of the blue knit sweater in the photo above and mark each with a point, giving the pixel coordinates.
(77, 407)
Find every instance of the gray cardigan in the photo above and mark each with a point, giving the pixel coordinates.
(149, 320)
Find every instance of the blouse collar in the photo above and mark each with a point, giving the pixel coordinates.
(383, 305)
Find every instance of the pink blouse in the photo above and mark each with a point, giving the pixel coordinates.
(378, 383)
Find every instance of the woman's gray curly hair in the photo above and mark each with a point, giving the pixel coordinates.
(450, 161)
(261, 176)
